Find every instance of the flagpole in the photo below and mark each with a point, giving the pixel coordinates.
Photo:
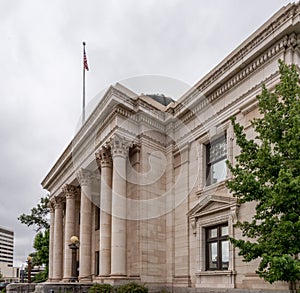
(83, 86)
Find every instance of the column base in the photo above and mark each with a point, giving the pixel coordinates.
(70, 279)
(56, 280)
(84, 279)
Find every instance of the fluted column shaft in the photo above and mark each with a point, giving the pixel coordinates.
(58, 240)
(51, 241)
(119, 150)
(104, 160)
(70, 193)
(85, 235)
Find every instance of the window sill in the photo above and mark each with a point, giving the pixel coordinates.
(215, 273)
(207, 189)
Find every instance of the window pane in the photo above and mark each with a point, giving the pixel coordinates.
(225, 254)
(217, 172)
(224, 231)
(213, 255)
(217, 150)
(212, 233)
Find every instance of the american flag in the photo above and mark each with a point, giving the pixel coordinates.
(85, 64)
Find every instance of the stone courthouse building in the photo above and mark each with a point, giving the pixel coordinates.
(142, 183)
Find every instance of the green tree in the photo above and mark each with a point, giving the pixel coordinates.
(38, 218)
(267, 172)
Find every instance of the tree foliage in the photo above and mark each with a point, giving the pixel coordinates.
(38, 216)
(41, 245)
(267, 172)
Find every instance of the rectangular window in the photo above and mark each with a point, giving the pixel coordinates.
(97, 218)
(97, 262)
(217, 248)
(216, 168)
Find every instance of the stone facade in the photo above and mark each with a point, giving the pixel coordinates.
(142, 184)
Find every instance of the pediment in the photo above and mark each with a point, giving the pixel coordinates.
(211, 204)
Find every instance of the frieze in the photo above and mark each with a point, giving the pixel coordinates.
(200, 130)
(291, 40)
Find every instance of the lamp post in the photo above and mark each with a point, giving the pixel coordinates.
(29, 262)
(74, 245)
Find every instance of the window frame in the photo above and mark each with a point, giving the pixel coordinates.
(209, 164)
(97, 218)
(218, 239)
(97, 263)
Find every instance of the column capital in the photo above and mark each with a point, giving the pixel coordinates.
(84, 177)
(103, 157)
(51, 205)
(119, 146)
(58, 202)
(70, 191)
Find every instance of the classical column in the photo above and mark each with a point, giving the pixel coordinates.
(70, 192)
(51, 240)
(58, 240)
(119, 151)
(105, 163)
(85, 234)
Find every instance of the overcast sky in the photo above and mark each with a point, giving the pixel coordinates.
(41, 72)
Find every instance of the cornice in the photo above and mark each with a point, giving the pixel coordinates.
(62, 160)
(227, 111)
(108, 98)
(87, 128)
(256, 39)
(287, 41)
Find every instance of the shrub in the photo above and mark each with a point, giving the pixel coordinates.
(101, 288)
(132, 287)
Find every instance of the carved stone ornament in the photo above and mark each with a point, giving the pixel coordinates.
(103, 157)
(119, 146)
(84, 177)
(234, 214)
(70, 191)
(194, 225)
(51, 205)
(58, 202)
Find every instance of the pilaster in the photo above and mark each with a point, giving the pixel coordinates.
(70, 193)
(58, 239)
(85, 235)
(105, 162)
(119, 150)
(51, 239)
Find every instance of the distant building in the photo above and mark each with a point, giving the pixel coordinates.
(6, 246)
(142, 184)
(7, 270)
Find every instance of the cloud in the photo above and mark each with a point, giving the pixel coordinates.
(41, 68)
